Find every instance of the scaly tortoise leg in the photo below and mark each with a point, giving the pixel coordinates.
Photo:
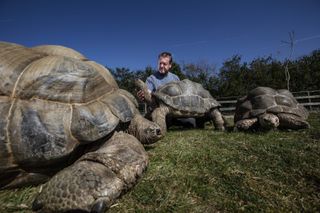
(97, 179)
(245, 124)
(218, 120)
(159, 117)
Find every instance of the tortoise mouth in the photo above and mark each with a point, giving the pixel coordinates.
(151, 135)
(269, 121)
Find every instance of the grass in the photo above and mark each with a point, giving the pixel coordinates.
(207, 171)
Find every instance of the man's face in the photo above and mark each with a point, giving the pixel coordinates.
(164, 65)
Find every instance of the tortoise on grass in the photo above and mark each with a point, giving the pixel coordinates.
(61, 111)
(267, 108)
(182, 99)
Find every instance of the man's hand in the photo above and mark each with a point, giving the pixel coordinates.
(140, 95)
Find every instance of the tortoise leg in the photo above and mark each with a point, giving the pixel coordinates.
(268, 121)
(97, 179)
(146, 131)
(290, 121)
(159, 116)
(245, 124)
(218, 120)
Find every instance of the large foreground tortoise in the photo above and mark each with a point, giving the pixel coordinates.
(60, 111)
(266, 108)
(182, 99)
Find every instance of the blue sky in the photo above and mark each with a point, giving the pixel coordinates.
(124, 33)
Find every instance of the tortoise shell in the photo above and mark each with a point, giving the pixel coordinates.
(267, 100)
(52, 99)
(186, 96)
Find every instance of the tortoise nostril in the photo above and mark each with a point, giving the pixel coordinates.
(158, 131)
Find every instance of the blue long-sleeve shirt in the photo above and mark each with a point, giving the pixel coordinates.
(157, 79)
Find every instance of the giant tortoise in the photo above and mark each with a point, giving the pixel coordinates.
(63, 115)
(182, 99)
(266, 108)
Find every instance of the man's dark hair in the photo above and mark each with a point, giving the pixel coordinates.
(166, 54)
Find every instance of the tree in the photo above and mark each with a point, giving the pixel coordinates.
(176, 69)
(203, 73)
(124, 77)
(234, 77)
(266, 72)
(305, 72)
(143, 74)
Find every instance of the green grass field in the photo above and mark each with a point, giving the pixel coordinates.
(206, 171)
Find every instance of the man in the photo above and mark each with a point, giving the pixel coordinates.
(159, 78)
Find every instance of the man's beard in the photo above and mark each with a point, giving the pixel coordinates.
(163, 73)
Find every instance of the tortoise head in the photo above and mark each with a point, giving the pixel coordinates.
(269, 121)
(146, 131)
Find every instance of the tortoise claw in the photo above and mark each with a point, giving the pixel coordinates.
(36, 205)
(99, 207)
